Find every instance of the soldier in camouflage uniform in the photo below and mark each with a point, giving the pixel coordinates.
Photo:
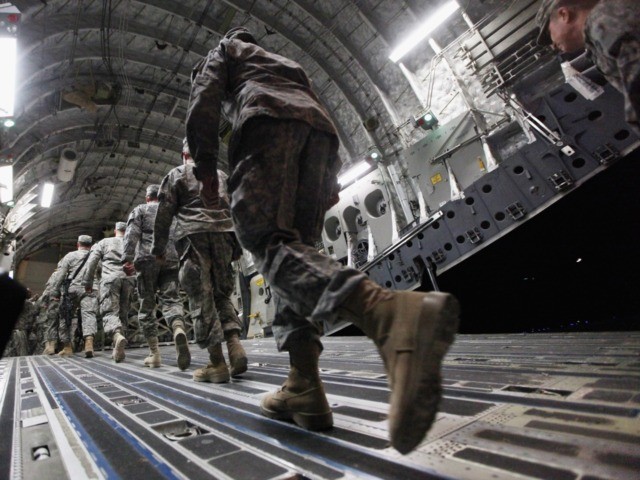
(154, 275)
(72, 267)
(206, 243)
(610, 32)
(115, 289)
(283, 156)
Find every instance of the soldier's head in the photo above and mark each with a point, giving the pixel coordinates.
(240, 33)
(121, 227)
(562, 23)
(84, 242)
(186, 153)
(152, 193)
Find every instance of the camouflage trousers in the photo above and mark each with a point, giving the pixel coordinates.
(52, 312)
(282, 182)
(87, 304)
(152, 278)
(115, 293)
(207, 276)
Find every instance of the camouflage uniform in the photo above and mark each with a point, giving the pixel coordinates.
(205, 240)
(283, 155)
(115, 286)
(151, 274)
(612, 37)
(86, 302)
(50, 311)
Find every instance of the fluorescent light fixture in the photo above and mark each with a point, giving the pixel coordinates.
(353, 173)
(6, 183)
(47, 195)
(424, 30)
(8, 54)
(9, 123)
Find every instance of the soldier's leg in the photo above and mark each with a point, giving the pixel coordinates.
(68, 326)
(222, 279)
(89, 311)
(173, 312)
(147, 287)
(51, 327)
(20, 343)
(195, 278)
(110, 309)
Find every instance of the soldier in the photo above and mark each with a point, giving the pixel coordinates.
(71, 269)
(115, 289)
(207, 244)
(610, 31)
(154, 275)
(283, 156)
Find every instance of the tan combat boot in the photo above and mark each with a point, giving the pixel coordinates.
(182, 346)
(49, 347)
(413, 331)
(153, 359)
(301, 398)
(67, 350)
(88, 346)
(216, 371)
(119, 342)
(237, 355)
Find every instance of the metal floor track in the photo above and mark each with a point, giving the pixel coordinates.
(556, 406)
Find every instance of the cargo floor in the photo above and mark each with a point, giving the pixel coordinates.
(557, 406)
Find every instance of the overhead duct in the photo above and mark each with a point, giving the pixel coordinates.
(67, 165)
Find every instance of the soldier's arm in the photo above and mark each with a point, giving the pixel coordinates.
(167, 208)
(95, 255)
(208, 87)
(132, 235)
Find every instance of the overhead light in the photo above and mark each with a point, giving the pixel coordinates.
(424, 30)
(354, 173)
(8, 78)
(374, 155)
(428, 121)
(578, 260)
(9, 123)
(47, 195)
(6, 184)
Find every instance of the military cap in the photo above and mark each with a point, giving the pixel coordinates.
(241, 33)
(85, 239)
(542, 20)
(121, 226)
(152, 190)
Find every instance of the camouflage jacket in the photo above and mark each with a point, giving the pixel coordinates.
(246, 81)
(28, 316)
(180, 198)
(67, 268)
(109, 252)
(612, 36)
(138, 237)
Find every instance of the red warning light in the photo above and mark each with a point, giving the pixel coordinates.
(13, 17)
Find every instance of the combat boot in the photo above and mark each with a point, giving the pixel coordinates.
(49, 348)
(182, 346)
(216, 371)
(301, 398)
(119, 342)
(153, 359)
(67, 350)
(88, 346)
(237, 355)
(413, 331)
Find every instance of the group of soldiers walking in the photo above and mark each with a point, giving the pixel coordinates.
(157, 251)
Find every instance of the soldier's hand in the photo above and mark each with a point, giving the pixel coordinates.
(160, 258)
(88, 289)
(129, 269)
